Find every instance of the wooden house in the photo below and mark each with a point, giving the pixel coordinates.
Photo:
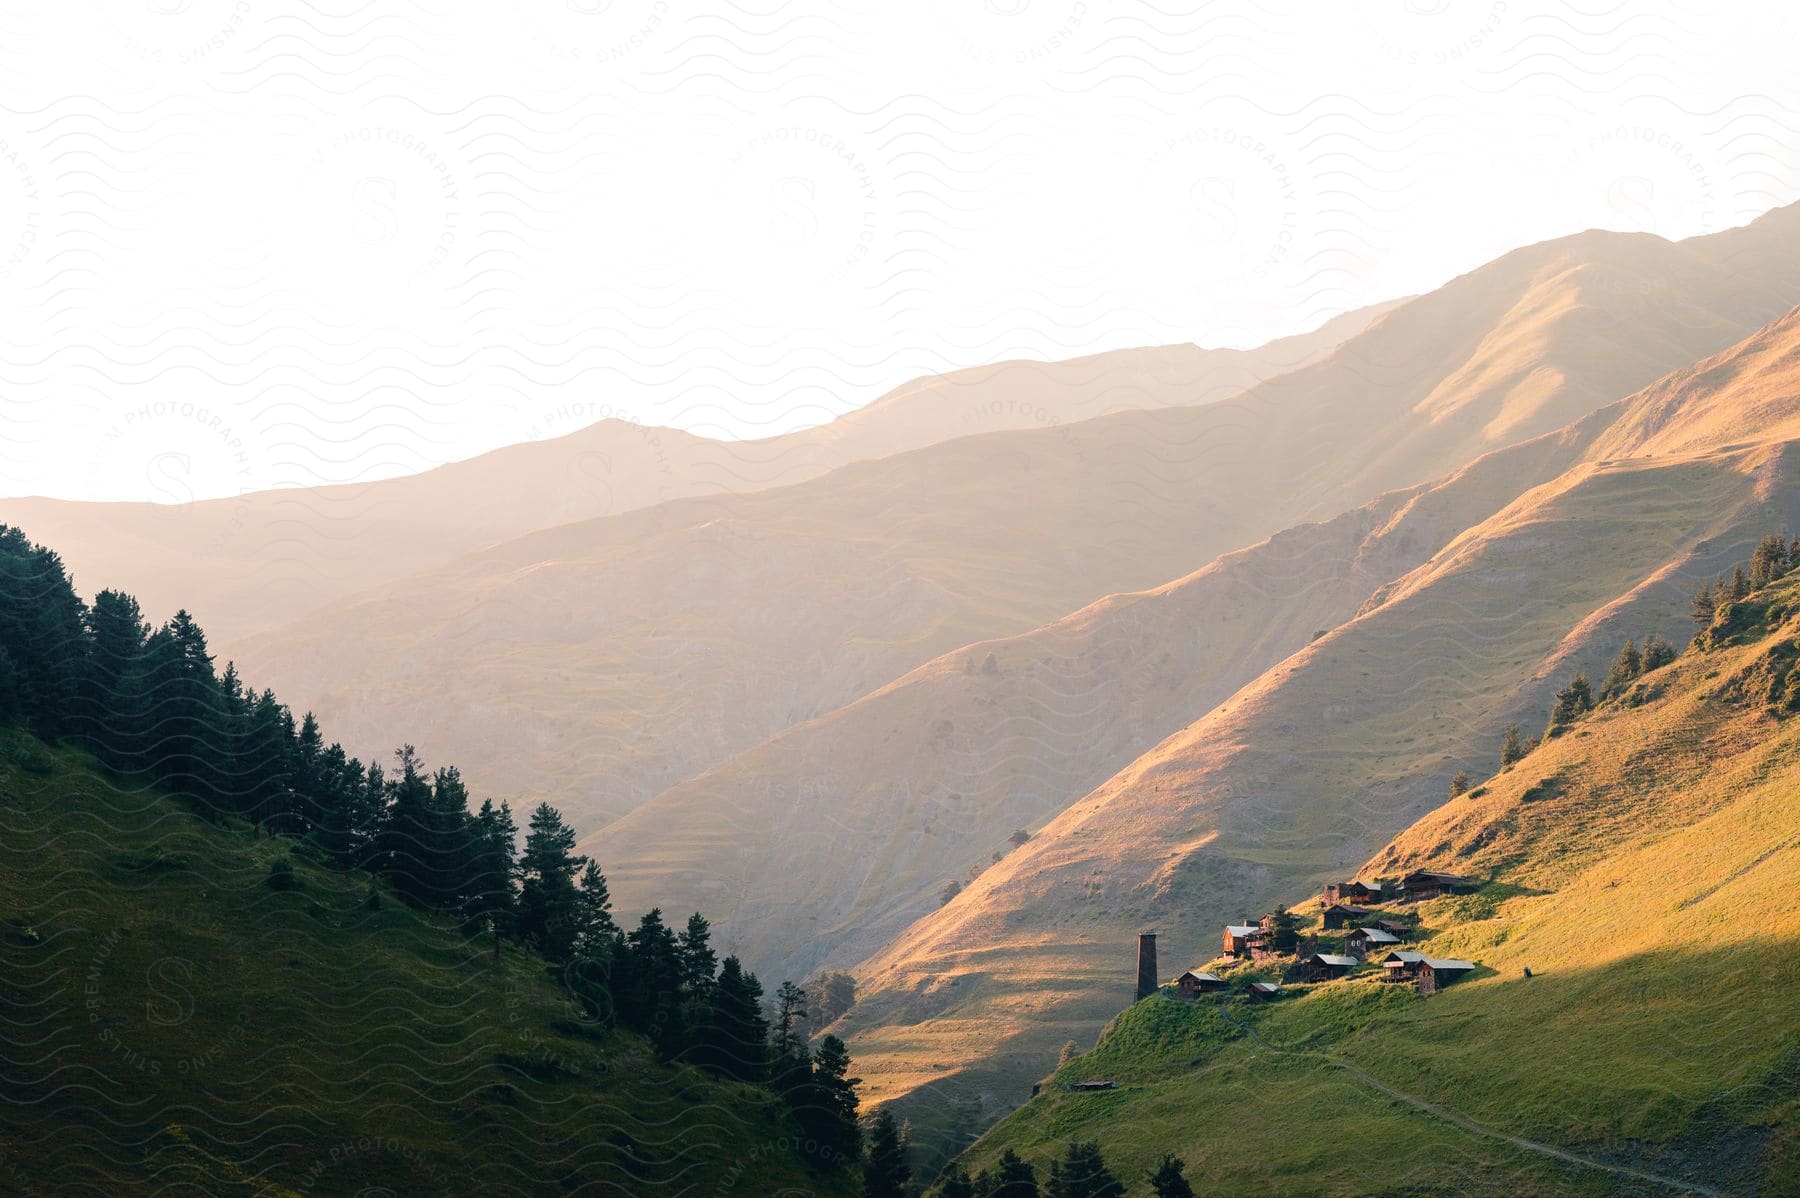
(1193, 983)
(1322, 967)
(1395, 928)
(1423, 884)
(1082, 1087)
(1239, 937)
(1351, 892)
(1435, 974)
(1340, 915)
(1360, 942)
(1261, 991)
(1402, 966)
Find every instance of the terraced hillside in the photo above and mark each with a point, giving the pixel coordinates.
(1633, 1028)
(1302, 773)
(170, 1023)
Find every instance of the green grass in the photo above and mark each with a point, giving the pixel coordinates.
(1649, 889)
(171, 1023)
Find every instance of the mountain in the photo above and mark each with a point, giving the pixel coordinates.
(257, 561)
(173, 1023)
(1300, 774)
(600, 663)
(819, 844)
(1630, 1026)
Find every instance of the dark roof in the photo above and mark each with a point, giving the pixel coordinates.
(1105, 1085)
(1201, 977)
(1347, 909)
(1432, 875)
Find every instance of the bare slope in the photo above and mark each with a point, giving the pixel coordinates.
(817, 845)
(1299, 775)
(599, 663)
(1641, 867)
(260, 560)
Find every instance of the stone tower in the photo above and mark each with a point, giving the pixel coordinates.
(1147, 977)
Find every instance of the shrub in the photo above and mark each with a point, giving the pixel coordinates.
(281, 875)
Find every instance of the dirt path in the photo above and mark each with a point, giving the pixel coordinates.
(1469, 1125)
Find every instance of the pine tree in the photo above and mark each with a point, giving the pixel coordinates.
(649, 998)
(116, 633)
(548, 902)
(1083, 1174)
(43, 630)
(1705, 606)
(1625, 670)
(1012, 1178)
(1572, 702)
(1512, 746)
(1167, 1178)
(827, 1105)
(402, 846)
(885, 1171)
(1657, 653)
(1459, 785)
(1768, 561)
(698, 961)
(1285, 936)
(1740, 584)
(955, 1184)
(789, 1059)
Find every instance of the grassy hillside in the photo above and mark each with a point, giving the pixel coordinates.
(170, 1023)
(1642, 867)
(1302, 773)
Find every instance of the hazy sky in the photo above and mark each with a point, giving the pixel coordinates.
(248, 243)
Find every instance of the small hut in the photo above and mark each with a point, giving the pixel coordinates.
(1423, 884)
(1360, 942)
(1351, 892)
(1322, 967)
(1194, 983)
(1435, 974)
(1340, 915)
(1402, 966)
(1083, 1087)
(1261, 991)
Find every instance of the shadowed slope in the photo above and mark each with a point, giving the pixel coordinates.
(171, 1023)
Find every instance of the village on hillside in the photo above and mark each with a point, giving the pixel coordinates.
(1360, 928)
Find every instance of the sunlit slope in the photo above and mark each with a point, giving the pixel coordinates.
(259, 560)
(818, 846)
(1298, 776)
(1642, 867)
(598, 664)
(169, 1023)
